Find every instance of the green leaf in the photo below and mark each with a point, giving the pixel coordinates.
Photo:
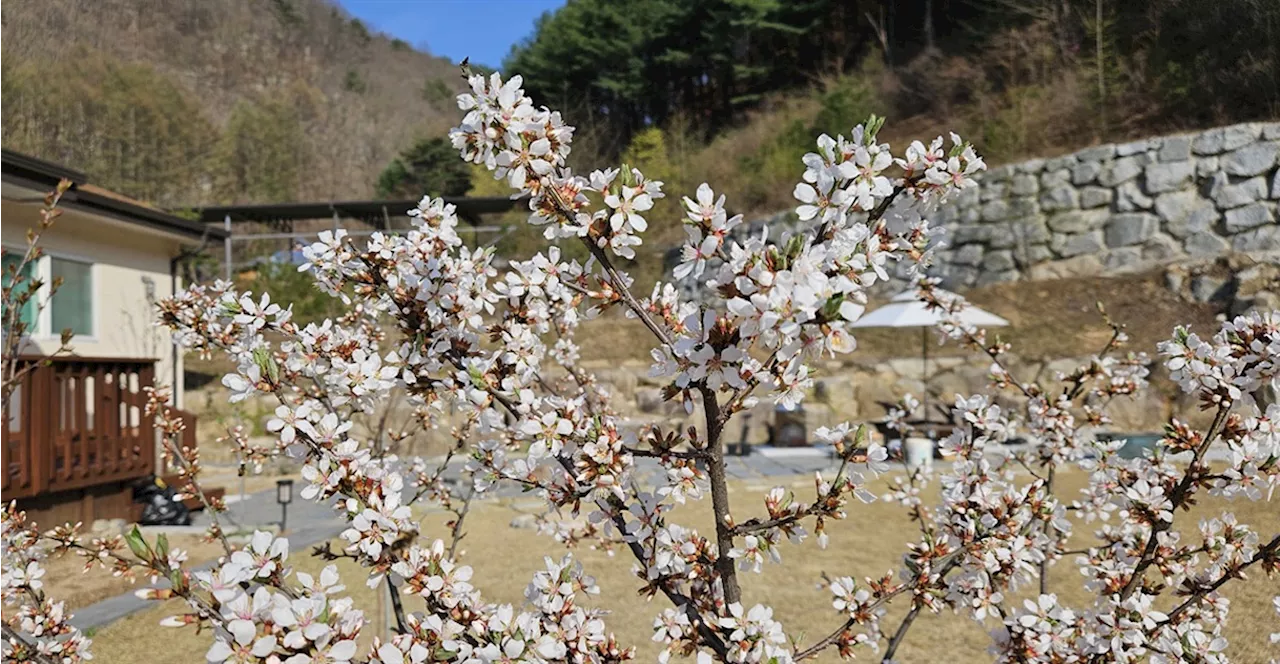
(267, 363)
(162, 546)
(138, 545)
(831, 310)
(177, 580)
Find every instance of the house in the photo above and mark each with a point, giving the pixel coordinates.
(75, 438)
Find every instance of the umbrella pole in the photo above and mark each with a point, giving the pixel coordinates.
(924, 370)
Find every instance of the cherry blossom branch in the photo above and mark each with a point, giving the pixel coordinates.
(614, 508)
(1176, 499)
(725, 564)
(901, 633)
(1268, 552)
(455, 530)
(29, 649)
(171, 427)
(820, 506)
(397, 607)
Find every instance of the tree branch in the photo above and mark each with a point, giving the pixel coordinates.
(1175, 499)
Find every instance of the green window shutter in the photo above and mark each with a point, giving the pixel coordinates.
(11, 261)
(72, 305)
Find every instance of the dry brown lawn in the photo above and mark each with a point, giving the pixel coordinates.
(870, 542)
(66, 578)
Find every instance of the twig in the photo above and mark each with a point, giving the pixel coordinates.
(1044, 563)
(194, 484)
(1175, 499)
(28, 648)
(456, 532)
(901, 633)
(1268, 551)
(396, 606)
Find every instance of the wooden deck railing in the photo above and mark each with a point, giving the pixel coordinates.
(77, 422)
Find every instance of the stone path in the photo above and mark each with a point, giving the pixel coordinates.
(309, 523)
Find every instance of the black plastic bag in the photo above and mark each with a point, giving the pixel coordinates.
(160, 504)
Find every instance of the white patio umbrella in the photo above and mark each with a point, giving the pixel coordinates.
(904, 310)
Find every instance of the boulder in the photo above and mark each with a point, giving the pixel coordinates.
(1062, 197)
(997, 210)
(1205, 244)
(1124, 259)
(1134, 147)
(1029, 230)
(1161, 248)
(1121, 170)
(994, 189)
(998, 261)
(1251, 160)
(1265, 238)
(1032, 255)
(1002, 236)
(969, 254)
(1249, 216)
(987, 277)
(1078, 221)
(967, 233)
(1130, 228)
(1129, 198)
(1170, 176)
(1085, 172)
(1024, 184)
(1185, 213)
(1222, 139)
(1206, 167)
(1242, 193)
(957, 276)
(998, 174)
(1023, 207)
(1031, 166)
(1175, 148)
(1055, 178)
(1060, 163)
(1094, 197)
(1261, 301)
(1208, 287)
(1076, 244)
(1097, 153)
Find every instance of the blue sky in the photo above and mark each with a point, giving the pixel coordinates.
(483, 30)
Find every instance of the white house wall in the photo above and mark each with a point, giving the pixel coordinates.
(125, 258)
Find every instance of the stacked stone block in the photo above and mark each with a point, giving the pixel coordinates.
(1118, 208)
(1106, 209)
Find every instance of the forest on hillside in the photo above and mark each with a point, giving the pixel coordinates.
(190, 102)
(738, 88)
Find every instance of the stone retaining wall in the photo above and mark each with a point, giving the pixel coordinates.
(1117, 208)
(1107, 209)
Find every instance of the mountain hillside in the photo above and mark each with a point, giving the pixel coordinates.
(189, 102)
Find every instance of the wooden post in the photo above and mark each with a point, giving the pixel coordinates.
(146, 425)
(39, 451)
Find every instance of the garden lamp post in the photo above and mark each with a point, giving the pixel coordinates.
(284, 496)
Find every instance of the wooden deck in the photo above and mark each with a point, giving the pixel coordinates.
(77, 438)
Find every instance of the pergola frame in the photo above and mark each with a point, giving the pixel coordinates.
(375, 215)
